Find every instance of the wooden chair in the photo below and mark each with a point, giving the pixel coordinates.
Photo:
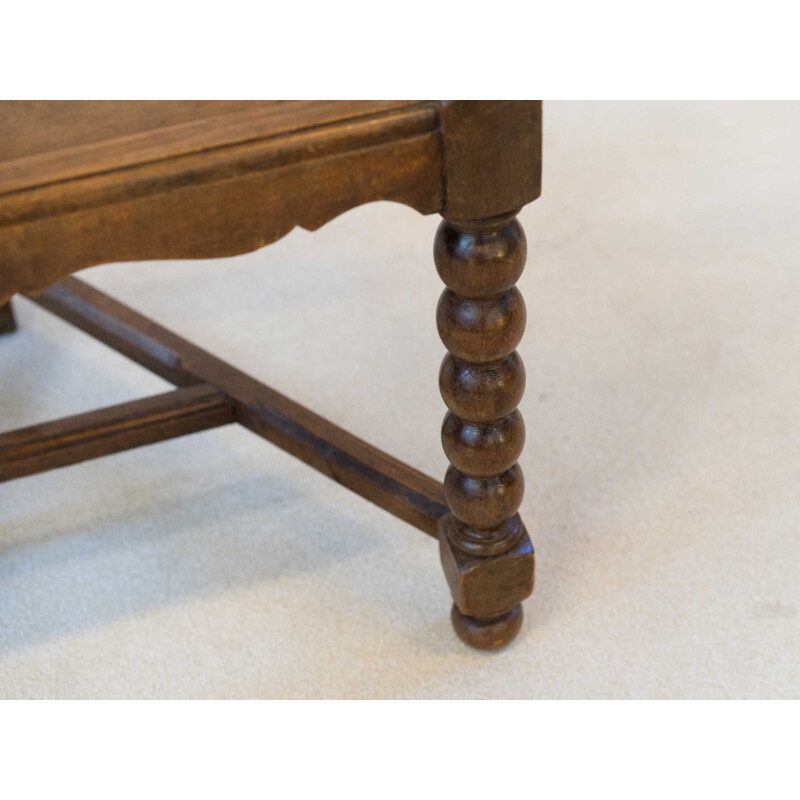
(85, 183)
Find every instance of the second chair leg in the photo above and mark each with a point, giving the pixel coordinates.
(486, 553)
(7, 321)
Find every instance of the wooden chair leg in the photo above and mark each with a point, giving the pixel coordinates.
(486, 553)
(7, 322)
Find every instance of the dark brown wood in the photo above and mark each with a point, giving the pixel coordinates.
(69, 139)
(112, 430)
(217, 186)
(487, 634)
(486, 553)
(403, 491)
(87, 183)
(492, 156)
(84, 183)
(7, 321)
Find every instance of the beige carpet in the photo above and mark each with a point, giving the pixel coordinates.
(662, 465)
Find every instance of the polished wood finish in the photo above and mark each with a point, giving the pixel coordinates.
(485, 549)
(112, 430)
(487, 634)
(93, 182)
(84, 183)
(492, 156)
(350, 461)
(218, 185)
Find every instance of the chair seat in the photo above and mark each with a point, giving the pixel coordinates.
(87, 182)
(44, 141)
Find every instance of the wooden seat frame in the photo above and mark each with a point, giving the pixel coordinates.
(159, 195)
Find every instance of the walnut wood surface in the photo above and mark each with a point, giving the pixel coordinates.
(84, 183)
(44, 130)
(112, 430)
(87, 183)
(492, 156)
(489, 634)
(380, 478)
(485, 550)
(217, 185)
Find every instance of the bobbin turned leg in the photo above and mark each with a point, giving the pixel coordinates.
(486, 553)
(7, 322)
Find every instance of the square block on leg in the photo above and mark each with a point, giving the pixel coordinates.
(487, 587)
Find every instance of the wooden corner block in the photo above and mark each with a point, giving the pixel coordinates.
(492, 156)
(487, 587)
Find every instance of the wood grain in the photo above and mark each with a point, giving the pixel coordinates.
(219, 185)
(492, 156)
(403, 491)
(486, 553)
(111, 430)
(221, 218)
(90, 183)
(43, 142)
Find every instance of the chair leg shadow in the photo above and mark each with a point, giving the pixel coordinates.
(7, 321)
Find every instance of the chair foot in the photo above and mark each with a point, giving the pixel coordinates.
(487, 634)
(7, 321)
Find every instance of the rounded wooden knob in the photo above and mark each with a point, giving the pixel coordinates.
(482, 392)
(483, 448)
(484, 502)
(481, 330)
(484, 542)
(487, 634)
(482, 260)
